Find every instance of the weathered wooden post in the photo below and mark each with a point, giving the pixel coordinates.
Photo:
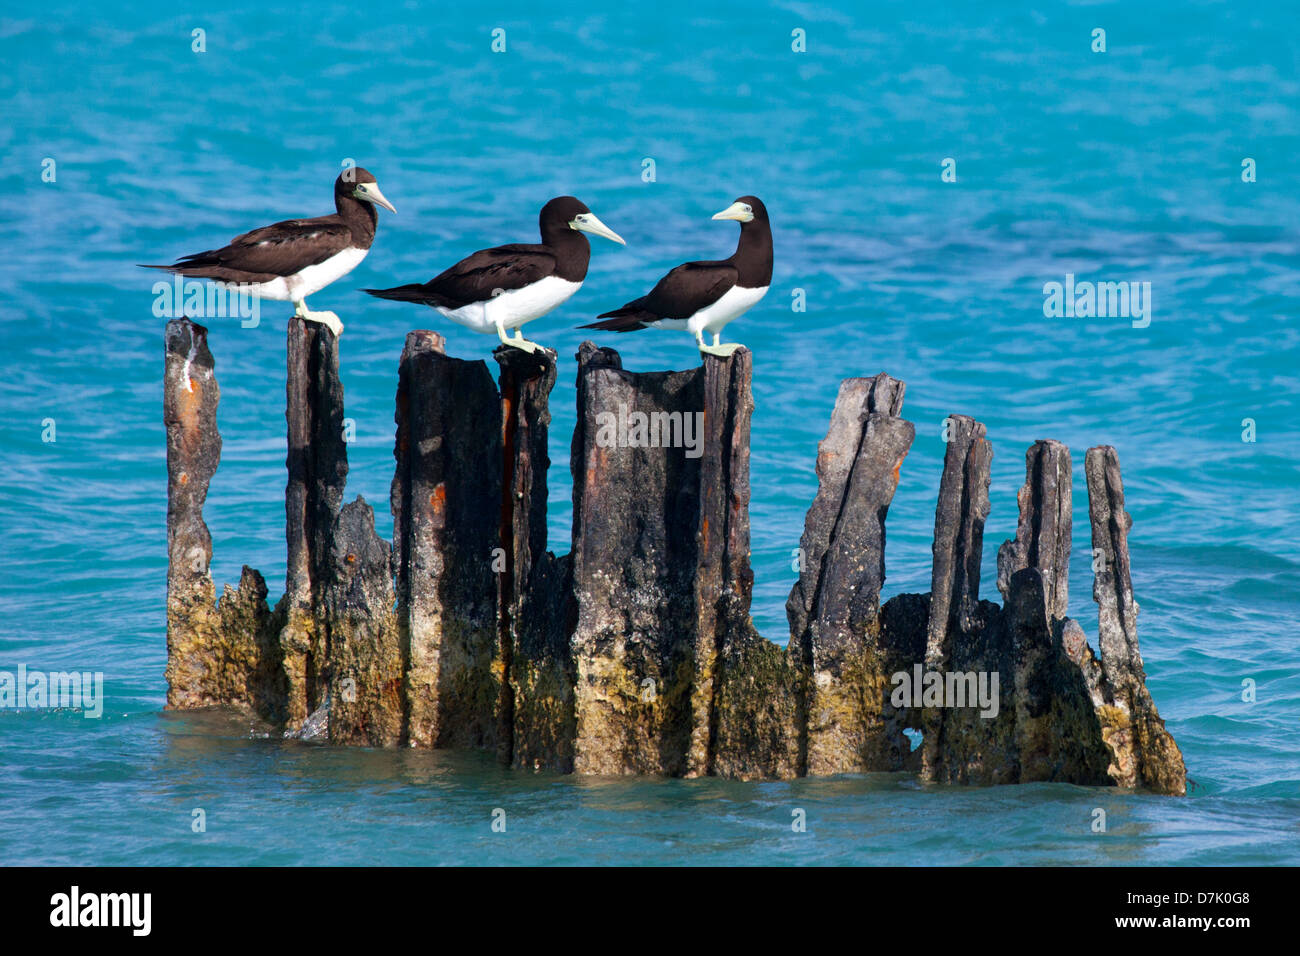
(216, 655)
(318, 468)
(1144, 752)
(660, 556)
(744, 689)
(535, 713)
(365, 660)
(1044, 530)
(635, 557)
(1054, 734)
(446, 500)
(956, 638)
(834, 607)
(190, 397)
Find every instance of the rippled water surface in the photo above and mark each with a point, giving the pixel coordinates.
(1117, 166)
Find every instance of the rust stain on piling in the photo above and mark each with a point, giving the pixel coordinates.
(191, 400)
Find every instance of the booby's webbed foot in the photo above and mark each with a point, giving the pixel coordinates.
(327, 319)
(518, 341)
(521, 343)
(725, 350)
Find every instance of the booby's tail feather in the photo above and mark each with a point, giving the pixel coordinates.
(414, 292)
(195, 267)
(629, 318)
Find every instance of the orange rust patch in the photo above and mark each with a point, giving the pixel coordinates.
(507, 414)
(191, 398)
(184, 479)
(352, 559)
(438, 500)
(898, 467)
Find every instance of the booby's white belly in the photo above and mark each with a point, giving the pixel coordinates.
(734, 303)
(310, 280)
(512, 308)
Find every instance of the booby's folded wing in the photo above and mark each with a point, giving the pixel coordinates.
(679, 295)
(688, 288)
(479, 277)
(282, 249)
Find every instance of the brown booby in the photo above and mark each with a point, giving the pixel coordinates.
(504, 287)
(293, 259)
(704, 296)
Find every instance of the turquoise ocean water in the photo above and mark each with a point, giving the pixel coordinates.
(1121, 166)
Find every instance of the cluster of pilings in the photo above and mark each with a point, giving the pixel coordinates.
(635, 652)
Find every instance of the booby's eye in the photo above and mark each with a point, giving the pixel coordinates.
(749, 209)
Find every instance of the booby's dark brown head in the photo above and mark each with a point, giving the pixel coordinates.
(753, 258)
(565, 213)
(745, 210)
(358, 183)
(563, 221)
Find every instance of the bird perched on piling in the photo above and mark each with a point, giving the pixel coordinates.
(704, 296)
(293, 259)
(504, 287)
